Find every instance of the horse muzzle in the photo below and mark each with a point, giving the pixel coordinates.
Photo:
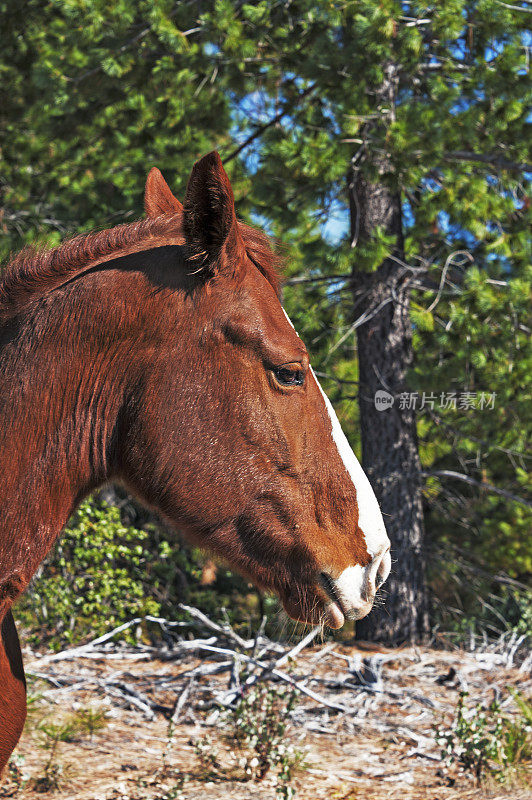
(350, 595)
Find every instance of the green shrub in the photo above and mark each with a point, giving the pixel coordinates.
(257, 726)
(111, 566)
(485, 742)
(468, 600)
(255, 731)
(95, 579)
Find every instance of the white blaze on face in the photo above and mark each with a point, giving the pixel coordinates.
(370, 519)
(351, 583)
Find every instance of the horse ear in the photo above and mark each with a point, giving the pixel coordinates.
(209, 218)
(158, 197)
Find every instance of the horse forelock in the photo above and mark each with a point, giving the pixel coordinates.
(33, 272)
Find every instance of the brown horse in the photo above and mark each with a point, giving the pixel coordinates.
(158, 354)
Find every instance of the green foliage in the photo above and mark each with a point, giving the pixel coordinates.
(93, 94)
(53, 732)
(90, 720)
(16, 777)
(485, 742)
(468, 612)
(256, 727)
(84, 721)
(456, 145)
(53, 778)
(67, 728)
(207, 756)
(104, 572)
(95, 579)
(484, 348)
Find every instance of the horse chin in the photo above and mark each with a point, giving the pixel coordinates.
(334, 616)
(314, 611)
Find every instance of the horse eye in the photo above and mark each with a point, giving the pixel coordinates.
(289, 376)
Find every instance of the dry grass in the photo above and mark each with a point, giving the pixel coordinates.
(386, 751)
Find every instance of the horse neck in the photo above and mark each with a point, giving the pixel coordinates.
(58, 412)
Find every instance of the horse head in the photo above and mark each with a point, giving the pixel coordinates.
(227, 431)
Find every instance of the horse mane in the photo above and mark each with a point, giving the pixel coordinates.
(259, 250)
(33, 272)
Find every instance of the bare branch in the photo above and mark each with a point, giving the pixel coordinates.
(514, 8)
(448, 473)
(449, 263)
(262, 128)
(492, 159)
(317, 279)
(223, 629)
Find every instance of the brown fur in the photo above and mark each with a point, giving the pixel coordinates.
(12, 687)
(32, 272)
(146, 354)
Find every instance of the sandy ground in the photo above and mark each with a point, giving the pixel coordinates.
(384, 748)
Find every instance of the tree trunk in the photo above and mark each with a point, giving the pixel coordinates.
(389, 440)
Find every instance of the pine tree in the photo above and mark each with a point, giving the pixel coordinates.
(92, 96)
(387, 146)
(424, 109)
